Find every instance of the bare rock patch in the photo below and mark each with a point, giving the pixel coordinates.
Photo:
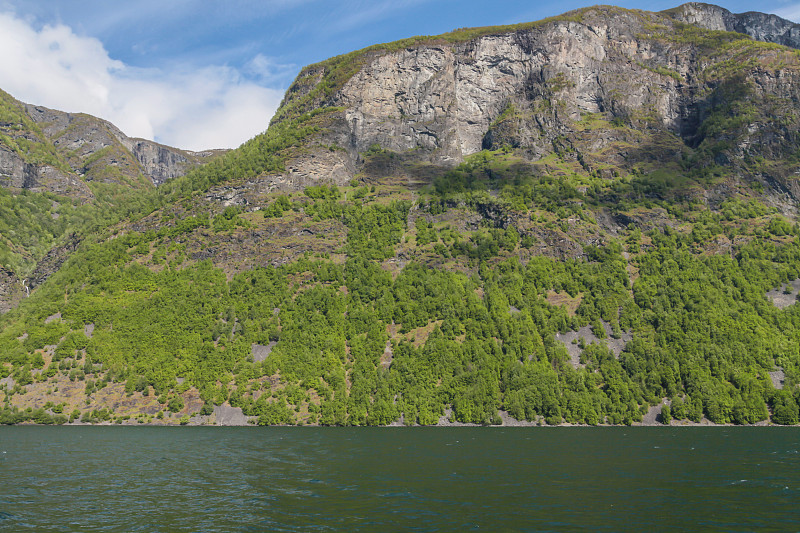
(260, 352)
(226, 415)
(388, 355)
(778, 378)
(785, 295)
(571, 340)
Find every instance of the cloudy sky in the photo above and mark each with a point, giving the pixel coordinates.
(209, 74)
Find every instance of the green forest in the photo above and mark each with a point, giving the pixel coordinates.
(356, 344)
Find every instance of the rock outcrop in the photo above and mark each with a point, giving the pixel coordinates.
(12, 290)
(161, 163)
(17, 173)
(52, 261)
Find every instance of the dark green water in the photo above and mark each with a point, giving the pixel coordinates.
(399, 479)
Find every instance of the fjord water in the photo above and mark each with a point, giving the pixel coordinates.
(398, 479)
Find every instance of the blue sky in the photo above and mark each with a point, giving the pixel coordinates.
(202, 74)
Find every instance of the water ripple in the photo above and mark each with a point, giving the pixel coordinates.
(367, 479)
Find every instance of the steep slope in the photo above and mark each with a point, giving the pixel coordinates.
(589, 219)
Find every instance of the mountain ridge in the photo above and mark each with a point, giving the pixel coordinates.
(70, 149)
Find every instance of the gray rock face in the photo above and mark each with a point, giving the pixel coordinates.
(759, 26)
(619, 92)
(11, 290)
(529, 88)
(706, 16)
(52, 261)
(160, 163)
(226, 415)
(260, 352)
(15, 172)
(440, 100)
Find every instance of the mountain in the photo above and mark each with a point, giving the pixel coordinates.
(73, 163)
(590, 219)
(43, 149)
(759, 26)
(614, 73)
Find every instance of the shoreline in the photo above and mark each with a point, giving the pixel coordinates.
(227, 416)
(521, 424)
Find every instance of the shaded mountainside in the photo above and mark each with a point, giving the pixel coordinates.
(58, 169)
(589, 219)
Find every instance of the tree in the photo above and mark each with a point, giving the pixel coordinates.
(784, 409)
(666, 415)
(175, 404)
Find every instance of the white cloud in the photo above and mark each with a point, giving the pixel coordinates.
(264, 68)
(362, 13)
(790, 12)
(213, 107)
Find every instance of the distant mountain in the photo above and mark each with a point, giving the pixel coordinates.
(43, 149)
(759, 26)
(84, 163)
(590, 219)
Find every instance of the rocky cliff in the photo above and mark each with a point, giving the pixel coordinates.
(619, 91)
